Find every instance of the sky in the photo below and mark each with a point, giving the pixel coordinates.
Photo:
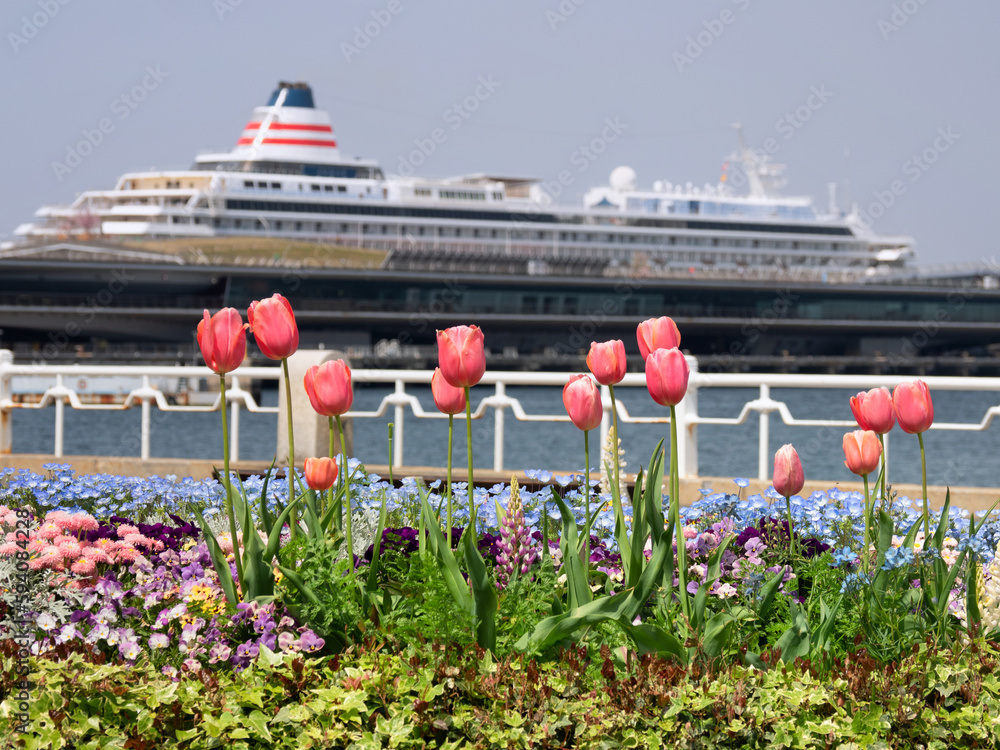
(892, 100)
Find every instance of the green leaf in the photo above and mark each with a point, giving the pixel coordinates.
(621, 608)
(652, 638)
(718, 632)
(796, 641)
(577, 582)
(446, 561)
(484, 596)
(219, 562)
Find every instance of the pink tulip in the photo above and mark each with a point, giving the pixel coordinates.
(913, 405)
(657, 333)
(329, 388)
(447, 398)
(272, 324)
(461, 355)
(862, 452)
(788, 476)
(223, 340)
(582, 400)
(321, 473)
(873, 410)
(667, 375)
(607, 361)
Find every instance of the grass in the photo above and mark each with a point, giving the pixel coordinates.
(263, 251)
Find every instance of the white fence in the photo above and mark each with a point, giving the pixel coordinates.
(63, 381)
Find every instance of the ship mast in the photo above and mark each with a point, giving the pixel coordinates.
(763, 178)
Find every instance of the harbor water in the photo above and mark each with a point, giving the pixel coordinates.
(953, 458)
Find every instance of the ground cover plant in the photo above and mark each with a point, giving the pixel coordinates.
(329, 607)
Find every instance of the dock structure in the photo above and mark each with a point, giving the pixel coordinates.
(94, 300)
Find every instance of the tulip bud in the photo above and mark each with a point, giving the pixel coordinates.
(788, 476)
(329, 388)
(873, 410)
(273, 326)
(447, 398)
(667, 375)
(607, 361)
(222, 340)
(862, 452)
(461, 355)
(321, 473)
(582, 400)
(913, 405)
(657, 333)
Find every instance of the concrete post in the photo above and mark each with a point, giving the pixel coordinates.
(6, 394)
(687, 428)
(311, 432)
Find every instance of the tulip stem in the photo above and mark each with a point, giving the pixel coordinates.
(333, 452)
(586, 484)
(885, 473)
(864, 549)
(228, 487)
(347, 492)
(451, 429)
(923, 485)
(675, 511)
(293, 521)
(791, 532)
(468, 447)
(616, 493)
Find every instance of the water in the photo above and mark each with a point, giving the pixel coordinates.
(953, 458)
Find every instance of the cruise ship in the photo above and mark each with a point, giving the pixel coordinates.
(286, 178)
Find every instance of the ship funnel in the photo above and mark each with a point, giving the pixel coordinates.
(288, 128)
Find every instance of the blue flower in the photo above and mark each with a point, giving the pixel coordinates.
(741, 482)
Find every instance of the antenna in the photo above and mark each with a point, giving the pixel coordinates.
(751, 167)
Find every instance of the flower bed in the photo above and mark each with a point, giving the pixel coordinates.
(332, 608)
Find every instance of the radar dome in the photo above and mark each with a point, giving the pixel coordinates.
(623, 178)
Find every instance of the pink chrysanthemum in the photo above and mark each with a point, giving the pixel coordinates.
(39, 546)
(126, 554)
(138, 540)
(10, 548)
(96, 554)
(69, 550)
(49, 530)
(126, 529)
(83, 567)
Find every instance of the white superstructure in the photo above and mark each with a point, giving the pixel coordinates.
(287, 178)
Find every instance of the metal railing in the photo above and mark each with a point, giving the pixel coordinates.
(400, 400)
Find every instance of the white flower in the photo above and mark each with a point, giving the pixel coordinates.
(46, 621)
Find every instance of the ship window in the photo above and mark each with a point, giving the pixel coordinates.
(493, 233)
(420, 231)
(262, 185)
(237, 223)
(422, 192)
(298, 226)
(276, 185)
(216, 223)
(385, 229)
(316, 188)
(248, 183)
(328, 188)
(319, 227)
(341, 188)
(277, 225)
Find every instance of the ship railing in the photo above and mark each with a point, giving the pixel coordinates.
(65, 392)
